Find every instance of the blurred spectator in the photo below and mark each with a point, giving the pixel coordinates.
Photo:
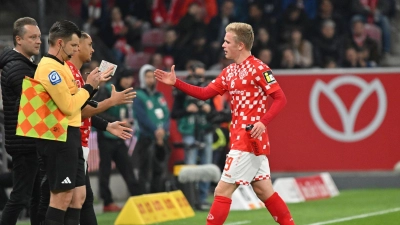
(191, 25)
(258, 20)
(351, 59)
(91, 13)
(199, 50)
(136, 27)
(266, 56)
(302, 49)
(330, 63)
(157, 60)
(152, 117)
(216, 27)
(170, 48)
(272, 9)
(326, 12)
(173, 13)
(360, 39)
(343, 8)
(139, 9)
(293, 17)
(365, 61)
(263, 40)
(309, 6)
(327, 45)
(374, 12)
(120, 30)
(288, 60)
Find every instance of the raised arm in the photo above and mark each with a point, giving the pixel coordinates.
(202, 93)
(117, 98)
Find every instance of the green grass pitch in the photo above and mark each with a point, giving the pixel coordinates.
(351, 207)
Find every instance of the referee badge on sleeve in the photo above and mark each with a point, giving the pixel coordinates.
(54, 78)
(268, 76)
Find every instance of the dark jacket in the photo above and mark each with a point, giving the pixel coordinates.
(14, 67)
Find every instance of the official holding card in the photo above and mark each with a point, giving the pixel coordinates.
(63, 161)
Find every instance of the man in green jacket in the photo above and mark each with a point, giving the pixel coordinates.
(152, 117)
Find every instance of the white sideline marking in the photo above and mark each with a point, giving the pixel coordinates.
(357, 217)
(239, 223)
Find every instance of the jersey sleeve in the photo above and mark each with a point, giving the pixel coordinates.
(265, 78)
(54, 83)
(219, 83)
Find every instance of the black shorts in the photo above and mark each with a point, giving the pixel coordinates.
(63, 161)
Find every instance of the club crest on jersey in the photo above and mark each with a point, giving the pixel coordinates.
(54, 78)
(268, 76)
(243, 73)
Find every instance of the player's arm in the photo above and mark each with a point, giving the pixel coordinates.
(117, 98)
(267, 82)
(117, 128)
(202, 93)
(58, 90)
(279, 101)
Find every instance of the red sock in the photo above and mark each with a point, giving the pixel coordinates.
(279, 210)
(219, 210)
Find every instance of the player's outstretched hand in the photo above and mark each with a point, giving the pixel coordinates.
(120, 129)
(166, 77)
(123, 97)
(257, 130)
(105, 76)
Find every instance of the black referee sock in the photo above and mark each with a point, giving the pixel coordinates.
(72, 216)
(54, 216)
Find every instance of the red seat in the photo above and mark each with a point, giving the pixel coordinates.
(137, 60)
(153, 38)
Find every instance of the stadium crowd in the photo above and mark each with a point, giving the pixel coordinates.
(289, 34)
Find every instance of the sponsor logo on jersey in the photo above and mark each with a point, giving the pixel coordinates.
(54, 78)
(268, 76)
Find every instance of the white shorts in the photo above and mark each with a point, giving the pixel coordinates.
(244, 167)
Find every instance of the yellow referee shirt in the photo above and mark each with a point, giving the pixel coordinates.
(59, 82)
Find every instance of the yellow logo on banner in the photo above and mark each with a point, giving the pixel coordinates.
(166, 204)
(39, 116)
(154, 208)
(182, 202)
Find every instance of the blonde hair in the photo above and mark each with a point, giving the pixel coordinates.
(243, 33)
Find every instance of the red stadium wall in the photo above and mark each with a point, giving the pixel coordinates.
(343, 120)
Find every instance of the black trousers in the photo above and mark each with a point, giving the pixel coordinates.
(150, 160)
(117, 151)
(25, 189)
(5, 182)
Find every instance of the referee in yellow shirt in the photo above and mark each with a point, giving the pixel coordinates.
(63, 161)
